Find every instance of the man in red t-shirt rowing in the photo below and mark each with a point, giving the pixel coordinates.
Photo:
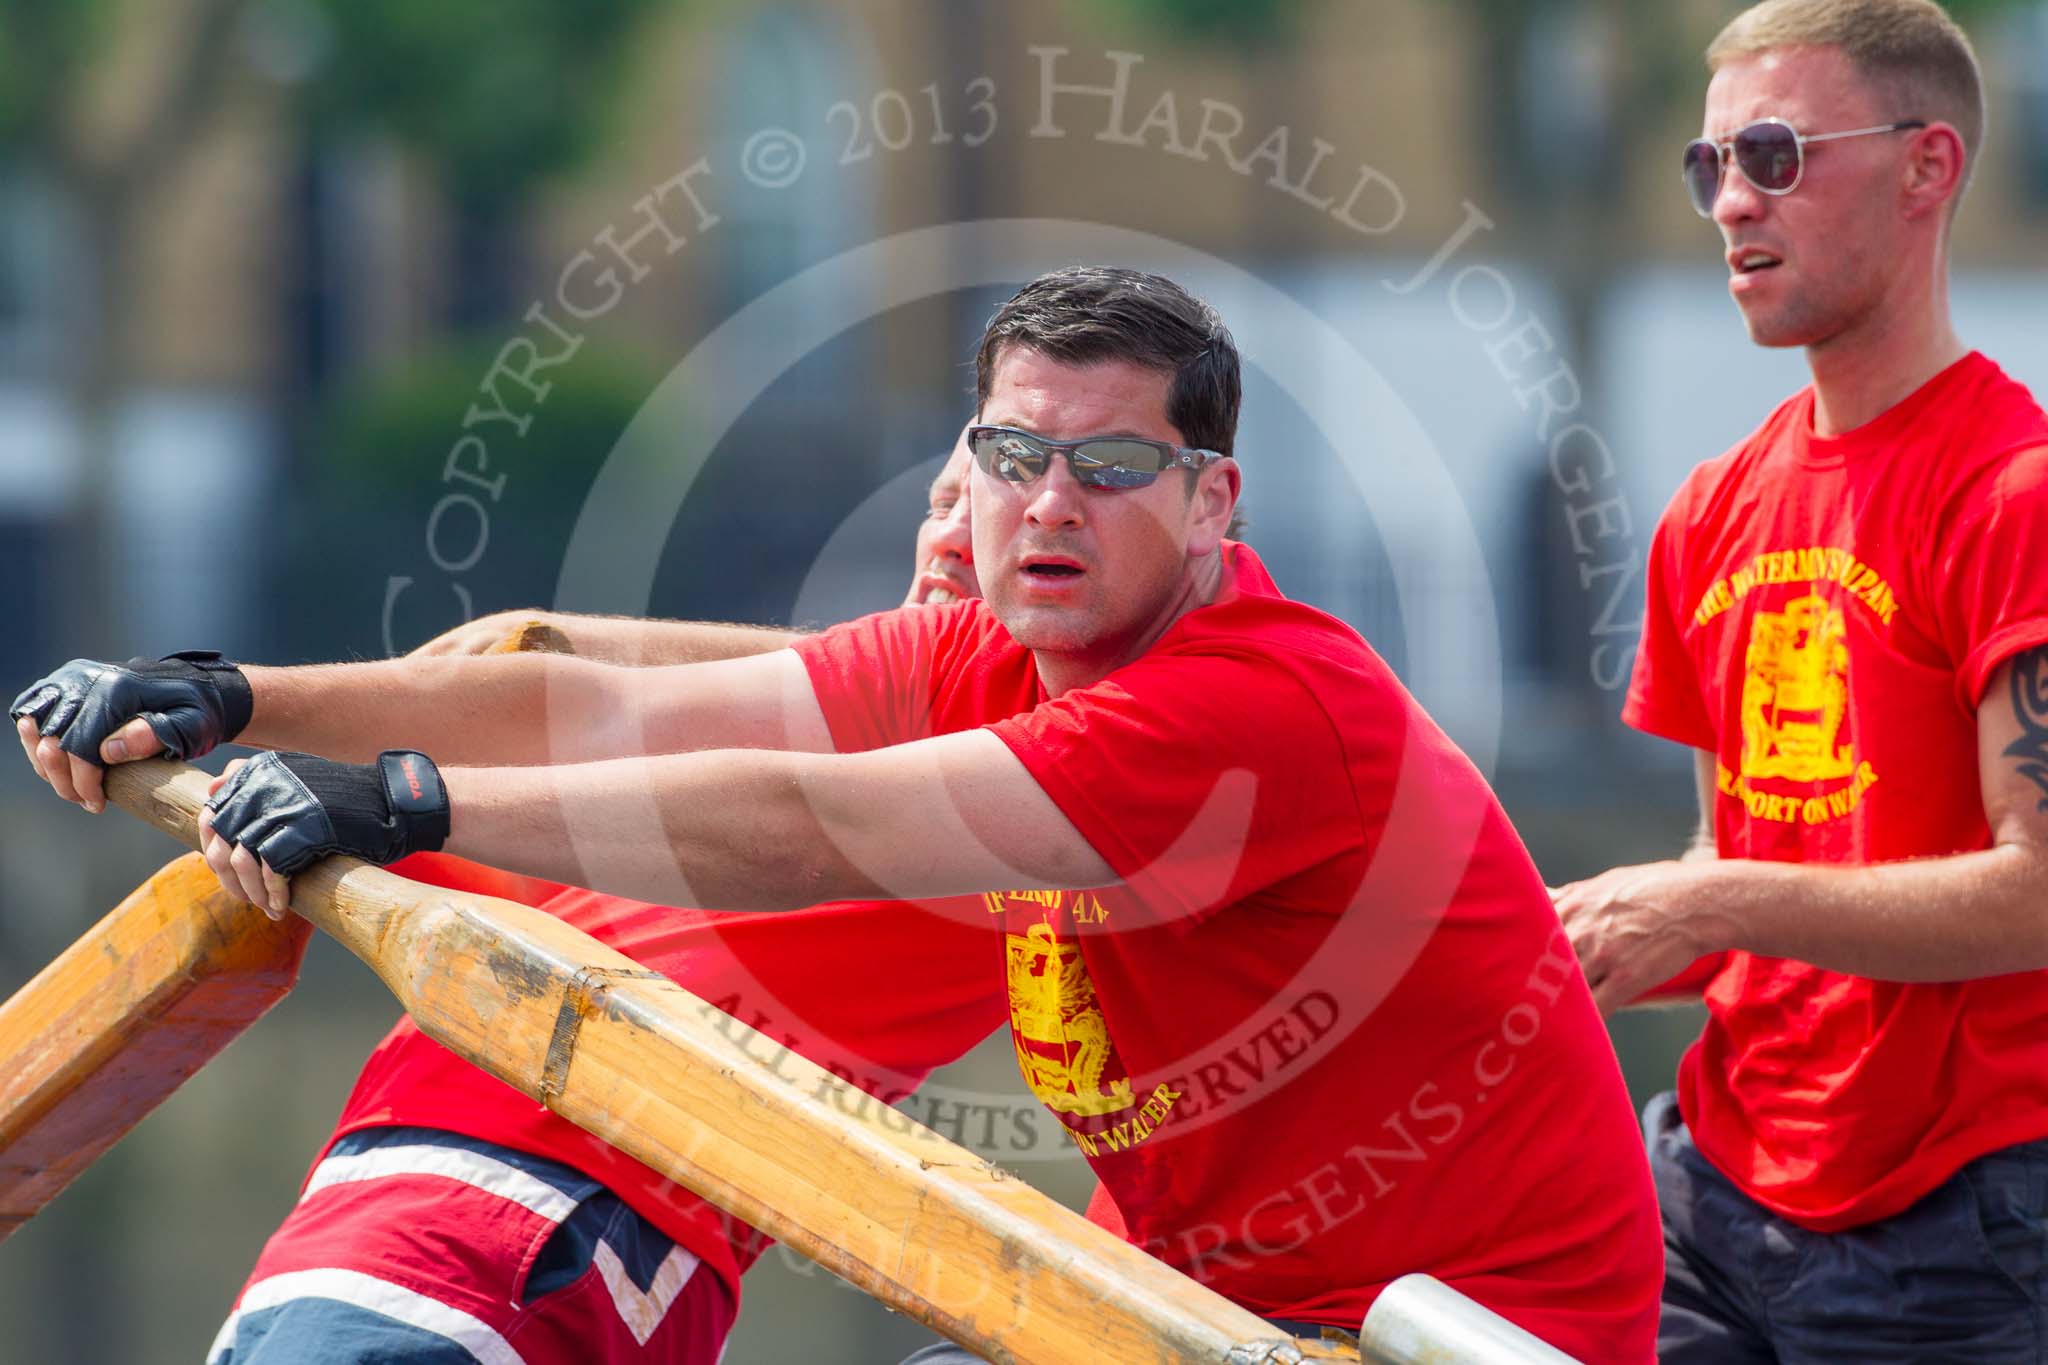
(448, 1213)
(1846, 619)
(1274, 958)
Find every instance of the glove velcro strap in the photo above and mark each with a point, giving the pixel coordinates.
(237, 702)
(412, 787)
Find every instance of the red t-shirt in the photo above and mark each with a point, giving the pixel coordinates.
(880, 992)
(1822, 616)
(1326, 1030)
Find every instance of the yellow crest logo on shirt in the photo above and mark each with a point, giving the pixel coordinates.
(1061, 1037)
(1795, 694)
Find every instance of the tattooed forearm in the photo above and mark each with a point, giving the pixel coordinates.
(2030, 707)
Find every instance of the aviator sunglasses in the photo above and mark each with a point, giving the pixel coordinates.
(1096, 461)
(1770, 153)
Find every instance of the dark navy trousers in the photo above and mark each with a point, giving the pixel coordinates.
(1960, 1276)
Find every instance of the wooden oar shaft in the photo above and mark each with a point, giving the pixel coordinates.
(122, 1018)
(914, 1220)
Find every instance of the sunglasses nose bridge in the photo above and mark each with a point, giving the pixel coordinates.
(1057, 496)
(1741, 194)
(1064, 465)
(1058, 464)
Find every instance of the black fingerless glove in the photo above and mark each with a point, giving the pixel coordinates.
(292, 810)
(193, 701)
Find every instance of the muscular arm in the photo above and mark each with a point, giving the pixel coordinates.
(624, 640)
(485, 709)
(1952, 918)
(748, 829)
(520, 709)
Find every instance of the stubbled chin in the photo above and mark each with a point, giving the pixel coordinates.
(1773, 327)
(1045, 631)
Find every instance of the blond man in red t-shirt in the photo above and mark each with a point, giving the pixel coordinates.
(1847, 620)
(1274, 959)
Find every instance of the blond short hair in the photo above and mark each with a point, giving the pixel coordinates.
(1911, 53)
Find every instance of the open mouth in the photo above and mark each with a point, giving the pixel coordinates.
(936, 588)
(1750, 262)
(1052, 570)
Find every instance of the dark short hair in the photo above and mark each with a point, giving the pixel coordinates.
(1084, 315)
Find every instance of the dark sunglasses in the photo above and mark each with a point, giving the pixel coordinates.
(1770, 153)
(1095, 461)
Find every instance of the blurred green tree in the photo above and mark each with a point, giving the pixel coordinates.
(1232, 23)
(374, 439)
(104, 101)
(104, 142)
(1969, 12)
(102, 105)
(41, 46)
(494, 95)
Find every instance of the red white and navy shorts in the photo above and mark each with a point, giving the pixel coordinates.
(420, 1245)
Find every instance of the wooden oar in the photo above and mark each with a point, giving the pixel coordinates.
(106, 1032)
(923, 1225)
